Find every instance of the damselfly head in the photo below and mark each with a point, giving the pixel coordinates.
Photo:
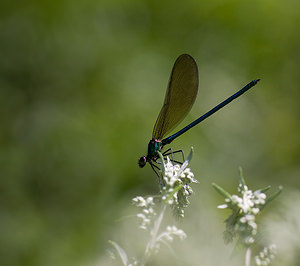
(142, 161)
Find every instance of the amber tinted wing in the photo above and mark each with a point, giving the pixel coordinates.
(180, 96)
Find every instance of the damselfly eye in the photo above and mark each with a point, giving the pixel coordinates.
(142, 161)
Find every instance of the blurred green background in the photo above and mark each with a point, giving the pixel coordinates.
(81, 85)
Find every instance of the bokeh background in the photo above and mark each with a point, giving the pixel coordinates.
(81, 85)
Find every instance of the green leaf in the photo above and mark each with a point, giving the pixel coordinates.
(163, 170)
(120, 251)
(189, 158)
(241, 177)
(265, 189)
(222, 191)
(274, 195)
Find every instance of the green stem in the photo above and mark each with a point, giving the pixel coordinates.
(248, 257)
(154, 233)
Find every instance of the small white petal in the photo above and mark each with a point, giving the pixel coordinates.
(223, 206)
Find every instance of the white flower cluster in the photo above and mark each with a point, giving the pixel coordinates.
(150, 221)
(242, 222)
(266, 256)
(176, 189)
(250, 201)
(147, 205)
(173, 230)
(166, 237)
(175, 173)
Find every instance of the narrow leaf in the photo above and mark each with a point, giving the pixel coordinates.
(274, 195)
(223, 192)
(241, 177)
(120, 251)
